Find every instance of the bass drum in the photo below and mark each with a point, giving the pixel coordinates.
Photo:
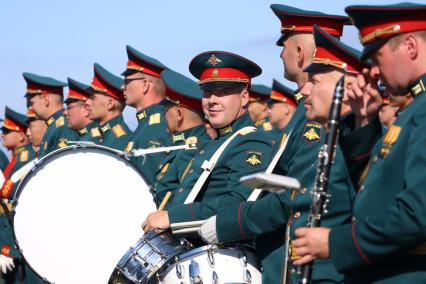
(76, 212)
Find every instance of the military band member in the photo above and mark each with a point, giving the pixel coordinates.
(225, 79)
(266, 219)
(106, 104)
(36, 129)
(385, 242)
(282, 105)
(258, 108)
(45, 96)
(77, 112)
(185, 122)
(15, 140)
(144, 90)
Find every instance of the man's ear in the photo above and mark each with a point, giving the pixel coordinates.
(411, 43)
(46, 99)
(245, 97)
(110, 104)
(22, 137)
(146, 86)
(300, 56)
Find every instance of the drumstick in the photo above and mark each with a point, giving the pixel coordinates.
(164, 202)
(185, 231)
(190, 224)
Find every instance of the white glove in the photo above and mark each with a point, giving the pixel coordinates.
(6, 264)
(208, 231)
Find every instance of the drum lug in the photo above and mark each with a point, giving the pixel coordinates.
(180, 271)
(247, 276)
(215, 278)
(210, 258)
(194, 272)
(243, 258)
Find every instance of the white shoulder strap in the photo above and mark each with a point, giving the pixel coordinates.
(208, 166)
(23, 171)
(2, 179)
(283, 144)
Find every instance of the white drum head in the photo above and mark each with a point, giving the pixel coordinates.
(78, 212)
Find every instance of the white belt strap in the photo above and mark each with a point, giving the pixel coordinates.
(209, 165)
(257, 191)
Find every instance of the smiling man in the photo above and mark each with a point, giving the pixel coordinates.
(185, 121)
(224, 78)
(269, 218)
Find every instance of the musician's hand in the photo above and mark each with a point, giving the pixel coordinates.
(310, 244)
(156, 221)
(364, 96)
(6, 264)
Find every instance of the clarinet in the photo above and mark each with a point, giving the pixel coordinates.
(320, 198)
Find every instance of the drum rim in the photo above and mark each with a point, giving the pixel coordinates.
(36, 168)
(159, 266)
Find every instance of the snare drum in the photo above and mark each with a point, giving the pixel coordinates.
(76, 212)
(213, 264)
(163, 258)
(144, 262)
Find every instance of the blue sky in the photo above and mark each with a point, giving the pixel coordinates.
(63, 39)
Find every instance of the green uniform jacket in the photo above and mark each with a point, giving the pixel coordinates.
(175, 162)
(115, 133)
(246, 154)
(265, 220)
(384, 242)
(3, 160)
(151, 132)
(265, 126)
(23, 155)
(90, 133)
(57, 134)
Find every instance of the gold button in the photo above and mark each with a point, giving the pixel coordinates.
(361, 188)
(303, 190)
(297, 215)
(180, 190)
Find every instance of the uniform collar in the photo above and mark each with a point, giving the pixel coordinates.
(418, 87)
(260, 122)
(19, 150)
(54, 117)
(111, 123)
(83, 131)
(236, 125)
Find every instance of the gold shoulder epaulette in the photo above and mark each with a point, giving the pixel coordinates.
(267, 126)
(95, 132)
(118, 130)
(23, 156)
(60, 121)
(154, 118)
